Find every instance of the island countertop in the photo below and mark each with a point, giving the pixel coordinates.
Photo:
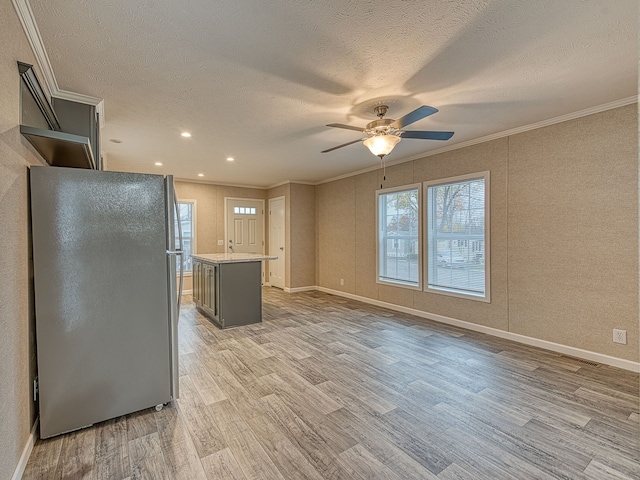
(232, 257)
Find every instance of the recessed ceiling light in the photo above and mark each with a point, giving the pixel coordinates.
(115, 140)
(230, 159)
(201, 174)
(185, 134)
(158, 164)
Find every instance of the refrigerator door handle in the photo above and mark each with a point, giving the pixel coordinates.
(173, 217)
(180, 249)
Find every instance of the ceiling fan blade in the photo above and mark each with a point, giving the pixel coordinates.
(340, 146)
(427, 135)
(348, 127)
(418, 114)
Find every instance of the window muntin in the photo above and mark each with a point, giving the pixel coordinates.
(244, 210)
(187, 222)
(399, 227)
(457, 236)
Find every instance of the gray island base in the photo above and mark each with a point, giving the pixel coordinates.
(227, 287)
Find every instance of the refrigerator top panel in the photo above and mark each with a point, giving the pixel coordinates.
(102, 316)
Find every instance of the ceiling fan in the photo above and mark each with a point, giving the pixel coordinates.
(385, 133)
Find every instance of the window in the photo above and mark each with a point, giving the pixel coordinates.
(458, 236)
(187, 222)
(399, 236)
(244, 210)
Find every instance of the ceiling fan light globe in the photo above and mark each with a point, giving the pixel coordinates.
(381, 144)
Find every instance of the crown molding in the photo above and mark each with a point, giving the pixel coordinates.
(86, 99)
(293, 182)
(28, 21)
(25, 14)
(506, 133)
(218, 184)
(279, 184)
(255, 187)
(533, 126)
(360, 172)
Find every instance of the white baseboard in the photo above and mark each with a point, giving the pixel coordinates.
(300, 289)
(534, 342)
(26, 452)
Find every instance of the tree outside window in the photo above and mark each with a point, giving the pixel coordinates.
(457, 237)
(399, 236)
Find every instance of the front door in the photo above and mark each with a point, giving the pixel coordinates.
(245, 225)
(276, 241)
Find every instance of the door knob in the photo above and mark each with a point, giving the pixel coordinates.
(281, 248)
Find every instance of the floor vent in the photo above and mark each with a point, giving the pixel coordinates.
(582, 360)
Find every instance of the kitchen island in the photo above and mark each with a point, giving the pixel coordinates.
(227, 287)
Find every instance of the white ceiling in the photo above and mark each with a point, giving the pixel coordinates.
(259, 80)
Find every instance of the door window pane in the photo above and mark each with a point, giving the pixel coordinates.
(244, 210)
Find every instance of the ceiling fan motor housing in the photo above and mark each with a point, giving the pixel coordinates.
(381, 124)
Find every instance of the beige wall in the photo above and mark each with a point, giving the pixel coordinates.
(564, 232)
(336, 230)
(302, 236)
(17, 354)
(573, 232)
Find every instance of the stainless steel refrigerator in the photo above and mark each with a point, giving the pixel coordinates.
(107, 294)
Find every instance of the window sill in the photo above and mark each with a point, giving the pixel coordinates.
(399, 283)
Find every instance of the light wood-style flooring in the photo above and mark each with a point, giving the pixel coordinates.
(329, 388)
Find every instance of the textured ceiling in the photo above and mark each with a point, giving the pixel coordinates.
(258, 80)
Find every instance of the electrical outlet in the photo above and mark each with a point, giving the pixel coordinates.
(221, 243)
(619, 336)
(342, 281)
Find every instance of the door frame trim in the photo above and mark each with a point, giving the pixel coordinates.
(284, 259)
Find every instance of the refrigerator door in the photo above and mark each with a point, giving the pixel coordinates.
(175, 253)
(100, 268)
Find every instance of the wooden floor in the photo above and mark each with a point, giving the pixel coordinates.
(328, 388)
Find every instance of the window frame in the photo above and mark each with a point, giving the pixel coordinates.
(485, 175)
(400, 283)
(188, 273)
